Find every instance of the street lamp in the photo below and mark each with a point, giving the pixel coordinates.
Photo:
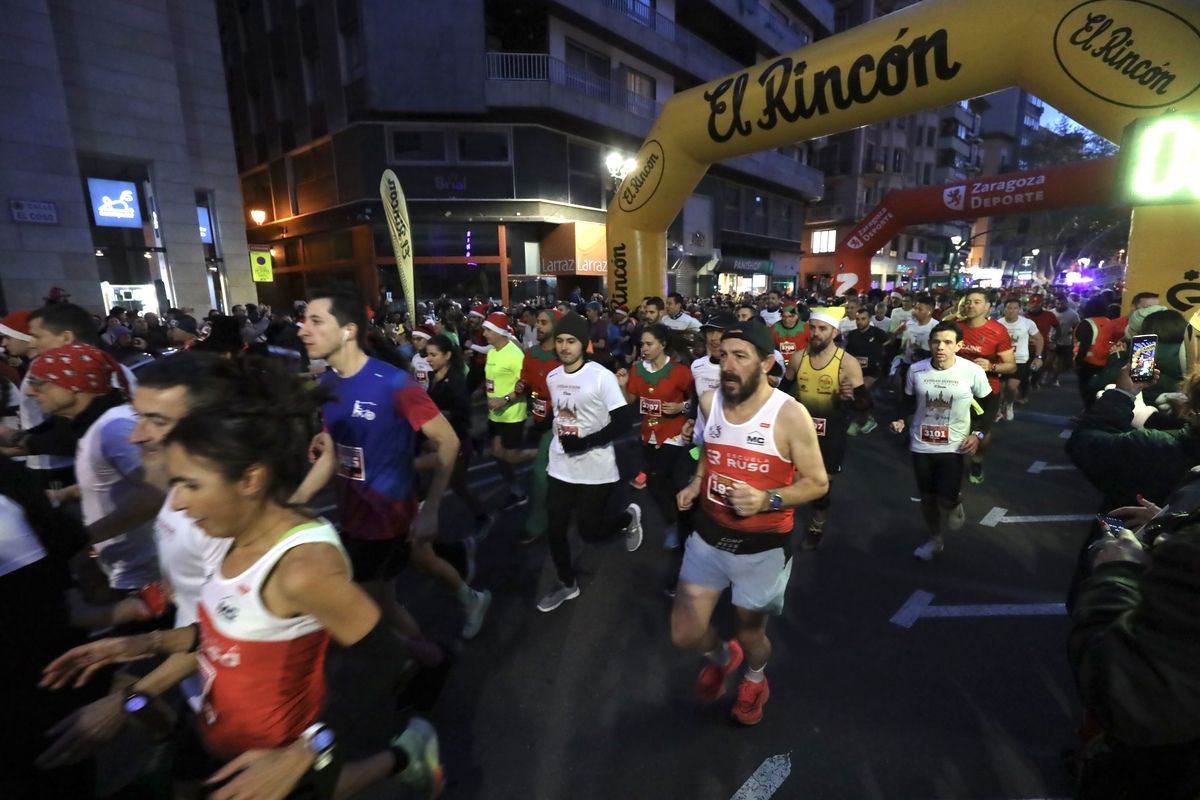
(619, 166)
(258, 216)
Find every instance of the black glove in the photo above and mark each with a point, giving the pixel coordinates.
(574, 445)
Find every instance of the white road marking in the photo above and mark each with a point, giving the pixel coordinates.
(919, 606)
(767, 779)
(997, 516)
(1039, 467)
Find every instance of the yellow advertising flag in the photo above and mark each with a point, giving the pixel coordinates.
(396, 210)
(261, 266)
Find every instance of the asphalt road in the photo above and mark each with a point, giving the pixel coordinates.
(591, 701)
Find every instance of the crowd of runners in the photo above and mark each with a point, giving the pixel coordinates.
(159, 475)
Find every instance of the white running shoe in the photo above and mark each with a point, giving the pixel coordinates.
(930, 550)
(1009, 414)
(475, 614)
(633, 531)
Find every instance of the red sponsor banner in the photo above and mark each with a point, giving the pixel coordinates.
(1080, 183)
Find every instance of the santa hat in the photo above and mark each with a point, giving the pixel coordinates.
(478, 311)
(622, 310)
(497, 322)
(422, 332)
(830, 315)
(16, 326)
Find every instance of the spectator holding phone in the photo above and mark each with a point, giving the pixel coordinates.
(1135, 652)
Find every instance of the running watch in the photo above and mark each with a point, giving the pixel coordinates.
(774, 500)
(980, 434)
(320, 740)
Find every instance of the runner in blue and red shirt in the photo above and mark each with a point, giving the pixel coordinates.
(373, 421)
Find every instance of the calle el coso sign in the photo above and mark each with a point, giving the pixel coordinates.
(1159, 162)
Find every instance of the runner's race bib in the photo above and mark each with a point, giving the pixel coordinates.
(491, 385)
(538, 406)
(786, 348)
(350, 463)
(567, 430)
(819, 424)
(935, 434)
(422, 378)
(720, 489)
(651, 408)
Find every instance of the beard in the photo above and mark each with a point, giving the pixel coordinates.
(743, 390)
(815, 346)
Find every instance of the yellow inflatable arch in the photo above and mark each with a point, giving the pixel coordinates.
(1105, 63)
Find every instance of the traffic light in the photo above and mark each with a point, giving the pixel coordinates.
(1159, 163)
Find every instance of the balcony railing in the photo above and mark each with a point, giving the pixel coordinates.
(644, 14)
(540, 67)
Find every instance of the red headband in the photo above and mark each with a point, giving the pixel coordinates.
(80, 368)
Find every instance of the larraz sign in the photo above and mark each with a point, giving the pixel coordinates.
(792, 93)
(1133, 54)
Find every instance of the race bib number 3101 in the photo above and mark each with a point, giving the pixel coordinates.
(935, 434)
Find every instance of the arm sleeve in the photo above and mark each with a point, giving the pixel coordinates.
(117, 449)
(53, 437)
(1083, 334)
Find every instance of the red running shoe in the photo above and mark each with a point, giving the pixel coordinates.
(751, 698)
(711, 683)
(639, 481)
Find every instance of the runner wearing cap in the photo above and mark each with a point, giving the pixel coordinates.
(506, 412)
(539, 362)
(589, 413)
(791, 334)
(986, 342)
(829, 385)
(760, 460)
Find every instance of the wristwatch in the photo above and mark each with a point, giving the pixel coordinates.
(774, 500)
(320, 741)
(980, 434)
(508, 398)
(135, 702)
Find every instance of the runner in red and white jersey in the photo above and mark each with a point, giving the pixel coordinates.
(986, 342)
(760, 460)
(661, 390)
(268, 610)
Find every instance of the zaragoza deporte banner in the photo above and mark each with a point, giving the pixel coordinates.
(1077, 184)
(1104, 63)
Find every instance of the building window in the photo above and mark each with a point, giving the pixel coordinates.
(824, 241)
(639, 92)
(587, 71)
(898, 160)
(930, 132)
(927, 174)
(418, 146)
(483, 146)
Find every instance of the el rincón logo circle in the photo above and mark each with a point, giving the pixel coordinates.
(641, 184)
(1130, 53)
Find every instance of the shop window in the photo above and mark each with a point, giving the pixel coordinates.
(483, 146)
(418, 145)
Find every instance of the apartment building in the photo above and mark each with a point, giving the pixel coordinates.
(499, 118)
